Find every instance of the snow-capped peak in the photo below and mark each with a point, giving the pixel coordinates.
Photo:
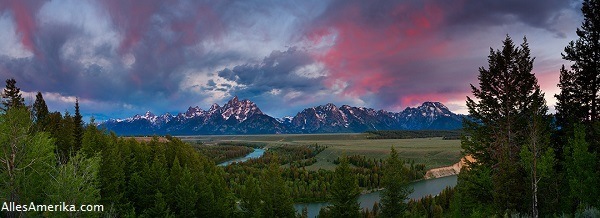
(194, 112)
(240, 110)
(149, 115)
(431, 110)
(286, 119)
(435, 105)
(213, 108)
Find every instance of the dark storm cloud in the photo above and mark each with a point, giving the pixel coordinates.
(160, 39)
(51, 71)
(460, 13)
(277, 71)
(540, 13)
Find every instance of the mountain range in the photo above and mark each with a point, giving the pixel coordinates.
(244, 117)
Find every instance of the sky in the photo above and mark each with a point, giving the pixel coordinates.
(122, 58)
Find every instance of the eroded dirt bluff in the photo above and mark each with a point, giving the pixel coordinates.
(449, 170)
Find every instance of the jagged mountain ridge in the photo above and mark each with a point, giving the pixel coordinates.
(244, 117)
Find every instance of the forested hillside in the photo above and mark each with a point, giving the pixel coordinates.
(527, 162)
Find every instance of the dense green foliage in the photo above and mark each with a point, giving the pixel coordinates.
(307, 185)
(221, 153)
(507, 97)
(582, 171)
(395, 181)
(26, 158)
(579, 99)
(428, 206)
(11, 96)
(577, 140)
(40, 111)
(275, 194)
(411, 134)
(344, 192)
(42, 164)
(525, 165)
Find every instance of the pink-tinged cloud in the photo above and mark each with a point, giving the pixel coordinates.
(131, 18)
(202, 23)
(190, 22)
(24, 13)
(371, 55)
(417, 99)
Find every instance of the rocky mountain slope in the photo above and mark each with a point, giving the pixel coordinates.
(244, 117)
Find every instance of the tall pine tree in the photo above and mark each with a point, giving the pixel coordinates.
(40, 110)
(344, 192)
(579, 99)
(251, 198)
(11, 96)
(275, 194)
(395, 181)
(78, 130)
(506, 94)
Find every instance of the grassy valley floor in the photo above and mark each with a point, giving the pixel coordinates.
(433, 152)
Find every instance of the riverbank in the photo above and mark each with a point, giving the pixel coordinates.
(449, 170)
(256, 153)
(436, 173)
(420, 189)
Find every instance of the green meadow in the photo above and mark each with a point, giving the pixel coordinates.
(433, 152)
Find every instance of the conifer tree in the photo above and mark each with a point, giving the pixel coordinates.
(186, 195)
(94, 140)
(64, 137)
(395, 183)
(174, 178)
(138, 191)
(78, 129)
(112, 178)
(579, 99)
(344, 192)
(506, 94)
(40, 111)
(582, 171)
(224, 202)
(276, 195)
(160, 208)
(11, 96)
(158, 173)
(251, 198)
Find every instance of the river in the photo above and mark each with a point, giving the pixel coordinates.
(254, 154)
(421, 189)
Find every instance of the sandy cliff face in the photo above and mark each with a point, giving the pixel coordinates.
(449, 170)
